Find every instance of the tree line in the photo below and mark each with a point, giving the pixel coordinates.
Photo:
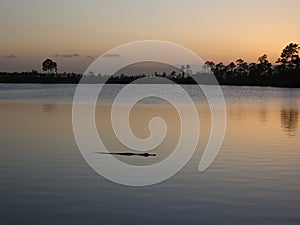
(285, 73)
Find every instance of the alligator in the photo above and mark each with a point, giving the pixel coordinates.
(128, 154)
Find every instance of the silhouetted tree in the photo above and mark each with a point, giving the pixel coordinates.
(173, 74)
(229, 69)
(289, 57)
(263, 59)
(49, 65)
(211, 65)
(189, 71)
(264, 67)
(219, 71)
(241, 67)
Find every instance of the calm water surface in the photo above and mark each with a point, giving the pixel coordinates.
(254, 180)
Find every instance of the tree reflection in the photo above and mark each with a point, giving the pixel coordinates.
(289, 120)
(262, 114)
(49, 107)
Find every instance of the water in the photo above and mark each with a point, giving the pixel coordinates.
(254, 179)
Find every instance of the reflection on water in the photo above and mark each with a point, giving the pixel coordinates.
(254, 180)
(49, 107)
(286, 117)
(262, 114)
(289, 120)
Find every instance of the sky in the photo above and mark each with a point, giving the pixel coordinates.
(75, 32)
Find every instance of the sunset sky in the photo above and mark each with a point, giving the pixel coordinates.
(74, 32)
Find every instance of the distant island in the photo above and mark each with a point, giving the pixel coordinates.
(285, 73)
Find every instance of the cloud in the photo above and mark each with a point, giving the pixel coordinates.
(112, 55)
(9, 57)
(89, 57)
(66, 55)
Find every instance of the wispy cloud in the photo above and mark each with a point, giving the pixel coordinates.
(112, 55)
(9, 57)
(66, 55)
(89, 57)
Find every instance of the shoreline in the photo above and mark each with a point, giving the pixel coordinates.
(181, 83)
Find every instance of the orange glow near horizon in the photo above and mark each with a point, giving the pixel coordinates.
(215, 30)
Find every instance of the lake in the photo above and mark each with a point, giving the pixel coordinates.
(255, 178)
